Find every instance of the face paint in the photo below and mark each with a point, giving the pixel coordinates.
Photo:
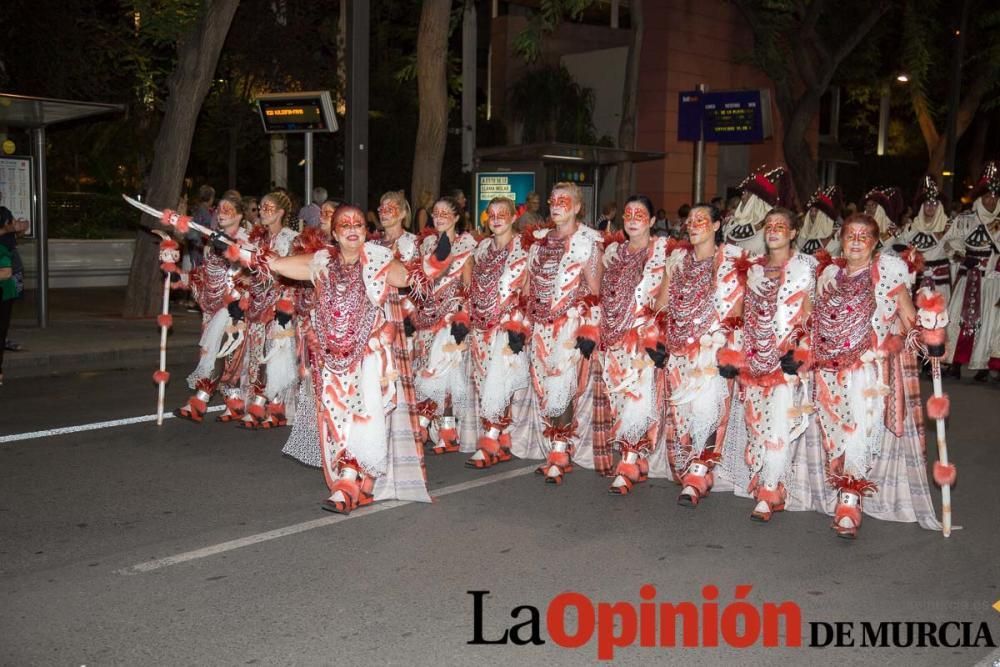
(442, 213)
(350, 221)
(498, 214)
(226, 209)
(563, 202)
(778, 226)
(388, 209)
(637, 214)
(268, 207)
(698, 222)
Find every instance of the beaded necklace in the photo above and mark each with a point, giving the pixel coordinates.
(618, 285)
(343, 317)
(691, 305)
(842, 321)
(758, 326)
(484, 293)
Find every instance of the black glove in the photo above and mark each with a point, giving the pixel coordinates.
(408, 328)
(658, 355)
(729, 372)
(443, 248)
(459, 331)
(789, 366)
(515, 341)
(235, 311)
(586, 346)
(218, 244)
(282, 317)
(970, 263)
(403, 291)
(175, 277)
(899, 247)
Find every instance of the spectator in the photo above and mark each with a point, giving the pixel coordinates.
(10, 229)
(423, 212)
(678, 226)
(459, 197)
(660, 224)
(251, 210)
(533, 203)
(204, 214)
(606, 222)
(8, 293)
(309, 215)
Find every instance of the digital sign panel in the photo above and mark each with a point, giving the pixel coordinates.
(732, 116)
(297, 112)
(514, 185)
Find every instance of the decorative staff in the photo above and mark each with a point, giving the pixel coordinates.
(932, 316)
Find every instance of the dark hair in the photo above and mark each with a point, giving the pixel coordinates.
(862, 219)
(794, 221)
(683, 211)
(236, 202)
(451, 203)
(646, 202)
(610, 207)
(716, 216)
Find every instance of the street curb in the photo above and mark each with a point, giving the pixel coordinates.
(39, 365)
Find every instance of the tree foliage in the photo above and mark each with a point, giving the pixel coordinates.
(552, 106)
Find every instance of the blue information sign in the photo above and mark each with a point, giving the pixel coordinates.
(512, 184)
(734, 116)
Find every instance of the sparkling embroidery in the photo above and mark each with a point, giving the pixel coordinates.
(344, 317)
(842, 321)
(484, 293)
(690, 304)
(618, 293)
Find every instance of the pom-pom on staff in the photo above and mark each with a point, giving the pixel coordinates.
(932, 320)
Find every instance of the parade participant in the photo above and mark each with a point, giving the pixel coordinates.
(777, 302)
(499, 331)
(973, 316)
(631, 355)
(221, 292)
(352, 346)
(702, 295)
(885, 205)
(440, 356)
(270, 369)
(928, 233)
(761, 191)
(867, 392)
(822, 221)
(564, 268)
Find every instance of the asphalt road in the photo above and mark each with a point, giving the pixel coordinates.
(188, 544)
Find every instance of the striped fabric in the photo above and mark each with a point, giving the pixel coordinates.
(602, 422)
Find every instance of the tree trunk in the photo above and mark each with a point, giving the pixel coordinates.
(432, 93)
(197, 56)
(234, 137)
(627, 128)
(800, 161)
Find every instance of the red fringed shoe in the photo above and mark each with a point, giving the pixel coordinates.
(847, 517)
(233, 411)
(447, 437)
(769, 501)
(275, 416)
(627, 475)
(255, 415)
(556, 465)
(344, 497)
(489, 450)
(696, 482)
(196, 407)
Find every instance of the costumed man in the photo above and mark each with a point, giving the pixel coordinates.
(822, 221)
(440, 355)
(221, 291)
(564, 268)
(777, 303)
(632, 357)
(885, 205)
(928, 233)
(271, 374)
(761, 191)
(974, 317)
(352, 347)
(499, 330)
(867, 391)
(702, 295)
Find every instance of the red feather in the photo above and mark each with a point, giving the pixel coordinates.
(730, 357)
(461, 317)
(309, 241)
(614, 237)
(914, 260)
(945, 475)
(233, 253)
(893, 344)
(161, 377)
(165, 320)
(931, 300)
(588, 331)
(938, 407)
(860, 486)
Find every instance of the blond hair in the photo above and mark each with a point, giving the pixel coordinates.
(400, 198)
(574, 190)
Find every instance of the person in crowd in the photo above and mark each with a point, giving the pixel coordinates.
(866, 383)
(564, 268)
(631, 356)
(822, 219)
(974, 317)
(499, 330)
(10, 230)
(761, 191)
(702, 298)
(309, 214)
(606, 222)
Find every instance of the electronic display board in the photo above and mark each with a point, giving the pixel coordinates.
(731, 116)
(297, 112)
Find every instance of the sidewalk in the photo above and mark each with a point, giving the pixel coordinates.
(87, 332)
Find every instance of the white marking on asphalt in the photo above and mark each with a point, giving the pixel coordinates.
(48, 433)
(278, 533)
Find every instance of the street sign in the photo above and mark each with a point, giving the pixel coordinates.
(17, 186)
(297, 112)
(731, 116)
(512, 184)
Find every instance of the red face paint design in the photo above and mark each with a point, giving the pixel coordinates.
(564, 202)
(637, 214)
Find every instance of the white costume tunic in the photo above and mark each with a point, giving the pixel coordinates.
(973, 315)
(932, 239)
(494, 304)
(774, 403)
(629, 289)
(702, 295)
(439, 364)
(817, 234)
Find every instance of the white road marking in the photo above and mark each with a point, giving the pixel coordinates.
(91, 427)
(278, 533)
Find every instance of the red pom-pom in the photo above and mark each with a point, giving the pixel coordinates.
(914, 260)
(730, 357)
(802, 355)
(285, 305)
(516, 327)
(614, 237)
(310, 240)
(588, 331)
(944, 475)
(233, 253)
(931, 300)
(461, 317)
(165, 320)
(168, 244)
(742, 266)
(161, 377)
(938, 407)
